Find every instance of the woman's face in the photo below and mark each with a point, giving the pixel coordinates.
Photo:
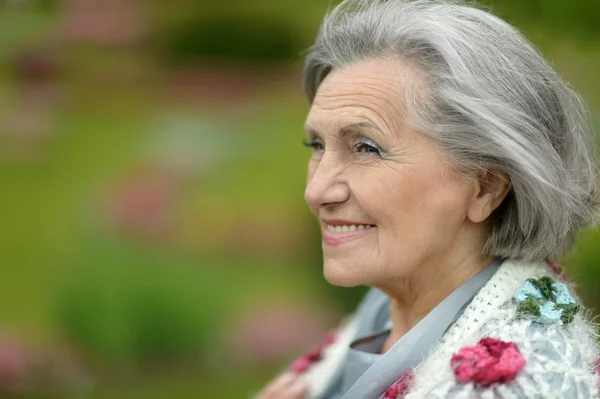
(387, 201)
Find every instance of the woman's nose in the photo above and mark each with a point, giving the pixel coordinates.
(325, 185)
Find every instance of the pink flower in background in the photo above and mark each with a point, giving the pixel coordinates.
(28, 120)
(270, 333)
(490, 361)
(108, 22)
(15, 363)
(212, 85)
(42, 372)
(143, 203)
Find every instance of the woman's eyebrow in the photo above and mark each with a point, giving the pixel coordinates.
(353, 126)
(344, 130)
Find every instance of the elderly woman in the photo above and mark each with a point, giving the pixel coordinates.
(449, 164)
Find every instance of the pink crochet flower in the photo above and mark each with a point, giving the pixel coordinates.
(303, 363)
(400, 387)
(488, 362)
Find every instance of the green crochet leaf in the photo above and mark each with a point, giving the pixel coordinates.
(569, 312)
(544, 284)
(529, 306)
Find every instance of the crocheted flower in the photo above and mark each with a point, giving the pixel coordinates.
(490, 361)
(546, 301)
(400, 387)
(303, 363)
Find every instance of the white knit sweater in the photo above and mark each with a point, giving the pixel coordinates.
(560, 359)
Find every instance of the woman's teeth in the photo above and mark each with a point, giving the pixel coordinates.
(348, 228)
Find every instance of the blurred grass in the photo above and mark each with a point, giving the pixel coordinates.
(42, 206)
(49, 233)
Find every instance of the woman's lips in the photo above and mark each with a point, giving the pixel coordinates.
(334, 235)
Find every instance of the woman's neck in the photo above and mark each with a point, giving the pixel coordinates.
(413, 298)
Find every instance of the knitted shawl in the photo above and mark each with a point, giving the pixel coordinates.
(522, 336)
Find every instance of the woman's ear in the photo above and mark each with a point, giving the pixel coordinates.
(491, 187)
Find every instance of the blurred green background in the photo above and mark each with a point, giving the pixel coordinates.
(153, 234)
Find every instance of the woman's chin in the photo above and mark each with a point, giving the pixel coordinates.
(341, 277)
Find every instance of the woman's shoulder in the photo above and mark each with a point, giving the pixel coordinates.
(524, 334)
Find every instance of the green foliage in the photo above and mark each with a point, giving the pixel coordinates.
(579, 17)
(267, 32)
(583, 265)
(135, 310)
(254, 39)
(49, 5)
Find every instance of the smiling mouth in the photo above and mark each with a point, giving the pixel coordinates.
(348, 228)
(334, 235)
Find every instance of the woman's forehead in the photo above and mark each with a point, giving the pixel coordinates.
(370, 89)
(358, 78)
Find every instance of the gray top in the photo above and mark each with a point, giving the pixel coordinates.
(365, 373)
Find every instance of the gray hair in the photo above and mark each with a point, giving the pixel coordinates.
(491, 102)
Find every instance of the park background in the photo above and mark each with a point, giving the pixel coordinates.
(154, 241)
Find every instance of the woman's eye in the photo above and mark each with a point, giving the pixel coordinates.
(314, 144)
(367, 147)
